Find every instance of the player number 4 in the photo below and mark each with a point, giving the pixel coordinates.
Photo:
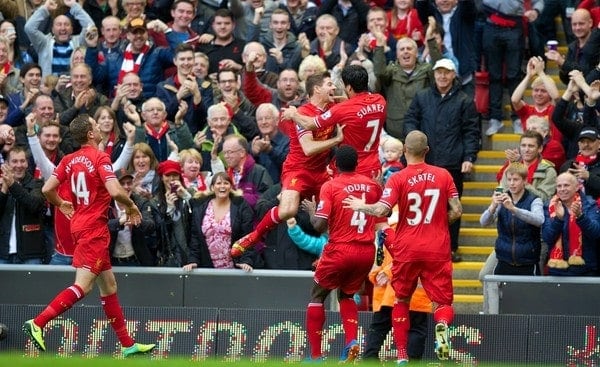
(416, 201)
(79, 188)
(358, 220)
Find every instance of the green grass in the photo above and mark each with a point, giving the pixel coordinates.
(18, 360)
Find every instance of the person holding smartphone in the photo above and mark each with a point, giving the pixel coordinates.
(518, 214)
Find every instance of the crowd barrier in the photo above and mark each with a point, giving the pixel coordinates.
(545, 295)
(262, 322)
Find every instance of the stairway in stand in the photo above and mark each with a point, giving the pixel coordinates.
(477, 242)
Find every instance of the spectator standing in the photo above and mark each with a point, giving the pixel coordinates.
(22, 206)
(457, 19)
(583, 53)
(420, 245)
(586, 164)
(20, 103)
(303, 16)
(503, 41)
(401, 79)
(127, 243)
(571, 229)
(329, 45)
(248, 176)
(240, 109)
(184, 86)
(552, 150)
(544, 94)
(272, 147)
(449, 119)
(110, 47)
(351, 16)
(140, 56)
(54, 49)
(225, 50)
(519, 215)
(217, 221)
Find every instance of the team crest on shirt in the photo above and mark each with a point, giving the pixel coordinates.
(107, 167)
(326, 115)
(293, 182)
(386, 193)
(320, 206)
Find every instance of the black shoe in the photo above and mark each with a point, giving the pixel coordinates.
(456, 258)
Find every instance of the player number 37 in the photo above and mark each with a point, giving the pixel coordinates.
(415, 206)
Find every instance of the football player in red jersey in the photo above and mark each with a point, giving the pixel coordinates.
(93, 184)
(363, 115)
(428, 201)
(348, 257)
(305, 168)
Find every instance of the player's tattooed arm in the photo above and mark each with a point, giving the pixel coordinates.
(358, 204)
(454, 209)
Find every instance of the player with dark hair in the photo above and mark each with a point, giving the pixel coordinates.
(348, 257)
(305, 167)
(363, 115)
(93, 184)
(428, 200)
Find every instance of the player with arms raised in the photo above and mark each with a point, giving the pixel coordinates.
(428, 201)
(348, 257)
(93, 184)
(362, 115)
(305, 167)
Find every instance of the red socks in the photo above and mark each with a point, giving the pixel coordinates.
(401, 324)
(268, 222)
(61, 303)
(443, 313)
(114, 313)
(349, 316)
(315, 318)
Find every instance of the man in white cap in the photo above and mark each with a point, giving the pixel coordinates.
(449, 119)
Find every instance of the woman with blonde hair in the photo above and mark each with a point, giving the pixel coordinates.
(219, 220)
(311, 65)
(196, 180)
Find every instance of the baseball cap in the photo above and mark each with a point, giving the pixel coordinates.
(169, 166)
(136, 23)
(444, 63)
(589, 133)
(122, 173)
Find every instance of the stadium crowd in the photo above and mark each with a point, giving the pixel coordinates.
(188, 97)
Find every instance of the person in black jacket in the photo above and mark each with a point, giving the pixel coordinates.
(449, 119)
(217, 221)
(128, 246)
(21, 205)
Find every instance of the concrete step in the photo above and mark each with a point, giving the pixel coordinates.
(490, 157)
(484, 173)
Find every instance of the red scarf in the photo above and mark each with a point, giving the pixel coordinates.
(157, 134)
(556, 258)
(129, 65)
(531, 170)
(110, 143)
(585, 160)
(6, 67)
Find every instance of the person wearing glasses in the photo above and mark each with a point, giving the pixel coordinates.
(162, 135)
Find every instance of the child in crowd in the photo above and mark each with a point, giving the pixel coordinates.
(392, 154)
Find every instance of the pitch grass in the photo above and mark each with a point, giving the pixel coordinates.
(18, 360)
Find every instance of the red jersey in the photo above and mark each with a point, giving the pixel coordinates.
(345, 225)
(296, 159)
(529, 110)
(87, 170)
(364, 116)
(422, 192)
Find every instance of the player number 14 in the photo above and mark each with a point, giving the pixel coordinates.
(79, 188)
